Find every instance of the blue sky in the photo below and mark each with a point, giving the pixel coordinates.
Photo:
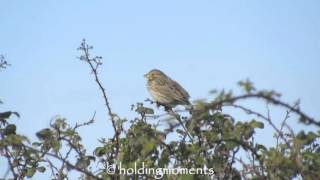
(202, 44)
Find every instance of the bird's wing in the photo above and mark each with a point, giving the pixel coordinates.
(179, 92)
(161, 93)
(168, 91)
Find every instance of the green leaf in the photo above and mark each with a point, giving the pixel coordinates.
(144, 110)
(100, 151)
(165, 158)
(148, 147)
(44, 134)
(30, 172)
(83, 163)
(15, 139)
(230, 145)
(56, 145)
(60, 123)
(256, 124)
(260, 146)
(6, 115)
(36, 144)
(41, 169)
(10, 129)
(247, 85)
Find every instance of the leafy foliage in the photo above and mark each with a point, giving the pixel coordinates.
(206, 137)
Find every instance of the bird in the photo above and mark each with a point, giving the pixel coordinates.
(166, 91)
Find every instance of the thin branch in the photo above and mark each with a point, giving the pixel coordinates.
(268, 119)
(94, 63)
(85, 123)
(305, 118)
(3, 63)
(70, 165)
(53, 169)
(8, 157)
(177, 116)
(64, 161)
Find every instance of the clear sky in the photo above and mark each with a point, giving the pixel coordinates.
(203, 45)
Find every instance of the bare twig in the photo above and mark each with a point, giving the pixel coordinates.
(53, 168)
(63, 165)
(94, 64)
(85, 123)
(3, 63)
(177, 116)
(68, 164)
(268, 119)
(261, 95)
(8, 157)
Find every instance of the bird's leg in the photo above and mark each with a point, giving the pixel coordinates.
(168, 109)
(158, 104)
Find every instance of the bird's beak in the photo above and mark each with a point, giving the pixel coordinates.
(146, 75)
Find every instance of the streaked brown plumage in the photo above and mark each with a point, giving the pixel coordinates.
(166, 91)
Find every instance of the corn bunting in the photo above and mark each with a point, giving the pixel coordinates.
(166, 91)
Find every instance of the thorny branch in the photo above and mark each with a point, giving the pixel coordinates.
(69, 165)
(260, 95)
(268, 119)
(94, 64)
(208, 139)
(178, 117)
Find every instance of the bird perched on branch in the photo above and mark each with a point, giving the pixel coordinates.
(165, 91)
